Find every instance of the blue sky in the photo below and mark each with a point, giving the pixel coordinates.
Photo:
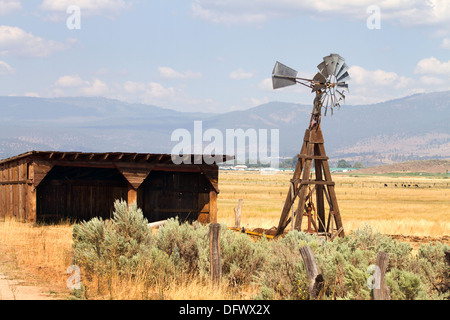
(217, 56)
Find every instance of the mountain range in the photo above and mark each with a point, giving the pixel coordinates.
(410, 128)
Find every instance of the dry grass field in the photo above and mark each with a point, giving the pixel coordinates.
(41, 254)
(422, 211)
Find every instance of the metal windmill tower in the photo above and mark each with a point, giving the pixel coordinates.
(329, 86)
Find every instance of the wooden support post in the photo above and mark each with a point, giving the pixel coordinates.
(31, 204)
(316, 280)
(380, 290)
(320, 207)
(131, 196)
(303, 191)
(214, 253)
(293, 189)
(213, 206)
(237, 214)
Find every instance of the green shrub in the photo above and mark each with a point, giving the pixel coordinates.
(125, 247)
(241, 256)
(405, 285)
(184, 243)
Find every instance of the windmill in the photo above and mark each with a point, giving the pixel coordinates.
(329, 87)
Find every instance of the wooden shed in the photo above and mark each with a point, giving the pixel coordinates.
(43, 185)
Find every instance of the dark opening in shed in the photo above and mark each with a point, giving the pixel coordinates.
(41, 186)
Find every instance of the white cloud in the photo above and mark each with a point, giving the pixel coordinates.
(5, 68)
(69, 85)
(169, 73)
(432, 81)
(32, 94)
(108, 8)
(148, 90)
(372, 86)
(433, 66)
(95, 88)
(266, 84)
(9, 6)
(70, 82)
(415, 12)
(240, 74)
(18, 43)
(445, 44)
(378, 78)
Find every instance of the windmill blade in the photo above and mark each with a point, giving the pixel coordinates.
(331, 62)
(343, 85)
(343, 77)
(319, 81)
(283, 76)
(323, 69)
(344, 68)
(341, 95)
(339, 64)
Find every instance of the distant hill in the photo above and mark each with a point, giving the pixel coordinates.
(425, 166)
(410, 128)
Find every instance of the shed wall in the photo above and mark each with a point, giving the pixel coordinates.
(15, 191)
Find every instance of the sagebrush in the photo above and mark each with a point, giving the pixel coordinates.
(123, 251)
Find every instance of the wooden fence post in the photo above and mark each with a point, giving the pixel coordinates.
(315, 278)
(237, 214)
(380, 290)
(214, 253)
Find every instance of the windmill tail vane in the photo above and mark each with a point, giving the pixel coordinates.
(324, 216)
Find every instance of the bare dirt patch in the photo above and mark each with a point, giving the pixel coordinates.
(12, 289)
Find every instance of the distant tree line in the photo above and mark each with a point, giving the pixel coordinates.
(344, 164)
(291, 162)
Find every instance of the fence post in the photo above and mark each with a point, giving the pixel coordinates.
(214, 253)
(315, 278)
(381, 291)
(237, 214)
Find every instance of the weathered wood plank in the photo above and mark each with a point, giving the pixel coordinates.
(237, 214)
(316, 280)
(380, 290)
(214, 253)
(293, 190)
(213, 206)
(303, 191)
(131, 195)
(135, 175)
(40, 170)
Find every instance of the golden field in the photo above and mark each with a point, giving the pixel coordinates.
(41, 254)
(421, 211)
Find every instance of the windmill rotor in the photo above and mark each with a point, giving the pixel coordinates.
(328, 83)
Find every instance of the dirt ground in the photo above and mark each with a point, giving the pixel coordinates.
(19, 290)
